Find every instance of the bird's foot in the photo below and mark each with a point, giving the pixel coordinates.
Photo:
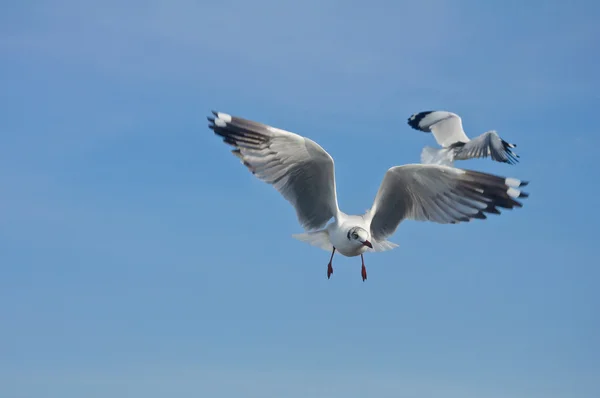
(364, 273)
(329, 270)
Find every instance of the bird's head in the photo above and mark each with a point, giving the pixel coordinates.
(360, 235)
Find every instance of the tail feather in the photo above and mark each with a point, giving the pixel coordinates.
(317, 238)
(381, 246)
(321, 240)
(444, 156)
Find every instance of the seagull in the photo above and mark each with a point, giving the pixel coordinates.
(448, 132)
(303, 173)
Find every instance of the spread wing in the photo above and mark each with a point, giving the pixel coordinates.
(441, 194)
(487, 144)
(445, 126)
(300, 170)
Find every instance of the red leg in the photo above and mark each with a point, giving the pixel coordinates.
(329, 267)
(364, 269)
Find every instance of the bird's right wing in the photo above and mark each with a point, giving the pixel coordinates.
(441, 194)
(296, 166)
(445, 126)
(487, 144)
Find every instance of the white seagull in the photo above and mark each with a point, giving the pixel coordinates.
(303, 173)
(448, 132)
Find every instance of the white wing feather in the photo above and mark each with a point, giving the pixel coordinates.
(446, 126)
(441, 194)
(300, 170)
(487, 144)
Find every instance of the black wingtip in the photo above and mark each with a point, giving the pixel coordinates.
(491, 209)
(479, 215)
(523, 195)
(414, 120)
(524, 183)
(215, 113)
(210, 119)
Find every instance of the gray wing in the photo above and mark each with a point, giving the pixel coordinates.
(441, 194)
(300, 170)
(445, 126)
(487, 144)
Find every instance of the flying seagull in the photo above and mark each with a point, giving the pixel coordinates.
(448, 132)
(303, 173)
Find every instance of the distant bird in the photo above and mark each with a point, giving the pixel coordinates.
(448, 132)
(303, 173)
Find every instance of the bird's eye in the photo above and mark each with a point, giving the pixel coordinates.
(354, 235)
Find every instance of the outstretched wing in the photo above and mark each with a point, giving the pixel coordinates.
(445, 126)
(487, 144)
(441, 194)
(296, 166)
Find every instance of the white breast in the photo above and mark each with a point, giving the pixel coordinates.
(338, 235)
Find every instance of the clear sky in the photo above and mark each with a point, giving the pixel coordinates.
(138, 258)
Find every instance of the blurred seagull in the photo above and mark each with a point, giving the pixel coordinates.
(448, 132)
(303, 173)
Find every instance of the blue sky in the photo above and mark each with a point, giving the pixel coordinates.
(135, 253)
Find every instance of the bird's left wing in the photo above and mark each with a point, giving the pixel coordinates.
(441, 194)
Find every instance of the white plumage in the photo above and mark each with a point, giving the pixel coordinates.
(448, 132)
(303, 173)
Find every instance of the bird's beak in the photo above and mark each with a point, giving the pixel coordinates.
(368, 244)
